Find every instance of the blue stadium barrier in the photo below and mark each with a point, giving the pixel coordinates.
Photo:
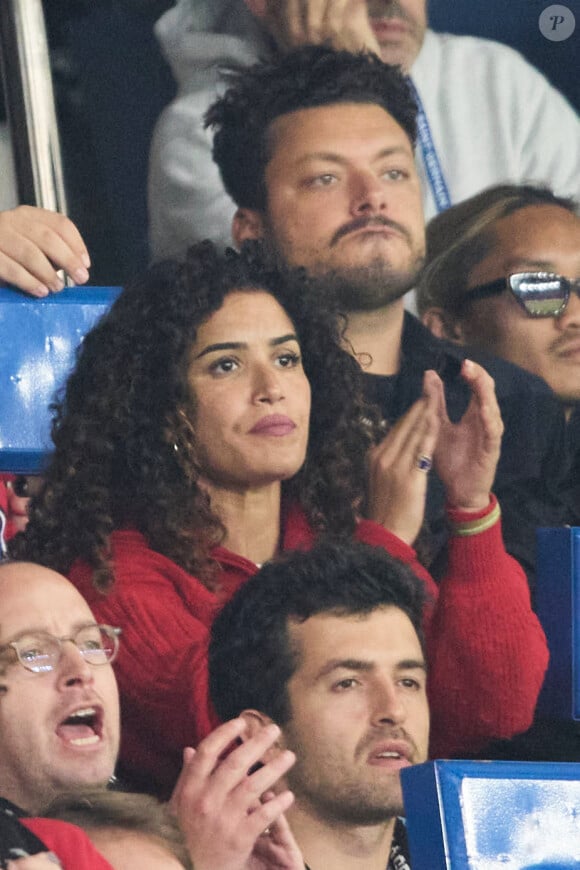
(558, 609)
(38, 342)
(493, 815)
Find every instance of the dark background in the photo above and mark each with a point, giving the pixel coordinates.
(111, 84)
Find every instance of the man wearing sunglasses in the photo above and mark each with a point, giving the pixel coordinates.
(503, 275)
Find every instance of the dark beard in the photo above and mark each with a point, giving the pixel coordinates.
(367, 288)
(356, 288)
(350, 805)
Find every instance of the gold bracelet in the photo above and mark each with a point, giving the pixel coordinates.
(475, 527)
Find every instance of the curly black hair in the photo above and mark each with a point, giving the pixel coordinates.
(124, 434)
(306, 78)
(251, 656)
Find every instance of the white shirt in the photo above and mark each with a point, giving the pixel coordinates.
(493, 118)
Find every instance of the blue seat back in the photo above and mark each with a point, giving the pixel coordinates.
(558, 608)
(38, 342)
(480, 815)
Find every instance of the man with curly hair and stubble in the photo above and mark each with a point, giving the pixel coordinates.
(317, 151)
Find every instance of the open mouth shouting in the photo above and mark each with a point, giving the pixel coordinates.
(82, 727)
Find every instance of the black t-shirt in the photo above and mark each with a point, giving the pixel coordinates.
(573, 482)
(534, 461)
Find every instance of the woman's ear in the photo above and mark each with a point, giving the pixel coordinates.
(258, 7)
(440, 324)
(247, 224)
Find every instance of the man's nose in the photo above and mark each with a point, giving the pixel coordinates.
(368, 194)
(72, 666)
(389, 705)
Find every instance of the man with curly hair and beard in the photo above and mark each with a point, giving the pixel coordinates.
(317, 151)
(487, 114)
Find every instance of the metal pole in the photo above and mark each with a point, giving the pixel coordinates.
(30, 104)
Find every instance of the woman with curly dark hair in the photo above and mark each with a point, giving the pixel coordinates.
(214, 420)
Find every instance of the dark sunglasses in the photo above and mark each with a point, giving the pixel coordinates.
(541, 294)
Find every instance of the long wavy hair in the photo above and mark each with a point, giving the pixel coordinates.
(125, 448)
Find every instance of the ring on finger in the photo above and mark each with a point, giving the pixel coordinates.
(424, 462)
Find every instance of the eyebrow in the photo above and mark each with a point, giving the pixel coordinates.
(339, 158)
(243, 345)
(363, 665)
(529, 263)
(36, 629)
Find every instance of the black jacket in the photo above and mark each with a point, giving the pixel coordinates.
(534, 459)
(16, 841)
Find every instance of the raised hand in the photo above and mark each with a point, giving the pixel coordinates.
(343, 24)
(224, 809)
(398, 466)
(467, 452)
(34, 244)
(276, 850)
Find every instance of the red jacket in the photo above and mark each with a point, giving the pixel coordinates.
(69, 843)
(9, 520)
(486, 650)
(6, 530)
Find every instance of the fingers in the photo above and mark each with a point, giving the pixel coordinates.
(219, 803)
(468, 451)
(342, 23)
(206, 776)
(278, 848)
(414, 434)
(34, 244)
(280, 832)
(231, 777)
(325, 21)
(184, 776)
(199, 765)
(433, 389)
(397, 483)
(360, 35)
(483, 395)
(266, 815)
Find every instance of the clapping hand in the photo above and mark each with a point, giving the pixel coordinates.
(231, 818)
(467, 452)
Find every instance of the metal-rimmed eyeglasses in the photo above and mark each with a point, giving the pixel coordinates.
(540, 294)
(41, 652)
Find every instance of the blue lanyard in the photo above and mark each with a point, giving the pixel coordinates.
(430, 157)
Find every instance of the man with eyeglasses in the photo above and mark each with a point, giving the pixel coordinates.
(59, 714)
(503, 275)
(59, 732)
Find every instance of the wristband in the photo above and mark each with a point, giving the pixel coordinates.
(475, 527)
